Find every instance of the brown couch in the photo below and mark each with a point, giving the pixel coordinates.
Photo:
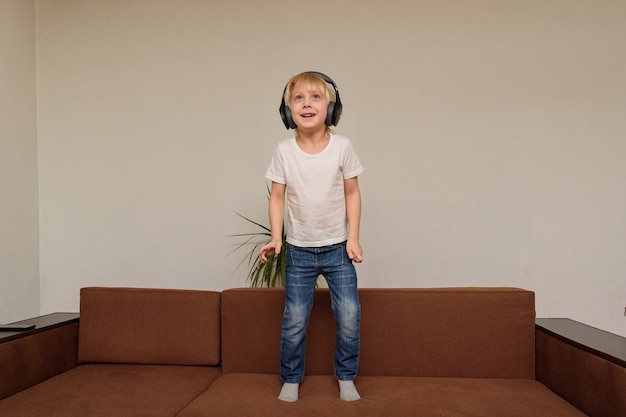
(424, 352)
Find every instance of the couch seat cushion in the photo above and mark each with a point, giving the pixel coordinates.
(112, 390)
(246, 395)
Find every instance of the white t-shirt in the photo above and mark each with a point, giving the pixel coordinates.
(316, 203)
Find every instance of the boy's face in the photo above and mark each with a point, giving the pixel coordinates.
(308, 106)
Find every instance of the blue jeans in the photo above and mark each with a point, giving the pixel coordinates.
(302, 268)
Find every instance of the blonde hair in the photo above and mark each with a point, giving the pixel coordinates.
(312, 81)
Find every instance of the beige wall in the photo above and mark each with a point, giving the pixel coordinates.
(19, 270)
(493, 135)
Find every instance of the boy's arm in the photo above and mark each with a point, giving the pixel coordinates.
(353, 213)
(276, 213)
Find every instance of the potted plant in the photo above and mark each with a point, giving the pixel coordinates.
(270, 273)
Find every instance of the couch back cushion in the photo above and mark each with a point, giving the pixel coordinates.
(149, 326)
(449, 332)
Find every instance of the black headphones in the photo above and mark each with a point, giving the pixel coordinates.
(334, 107)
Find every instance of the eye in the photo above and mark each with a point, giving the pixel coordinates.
(297, 97)
(317, 97)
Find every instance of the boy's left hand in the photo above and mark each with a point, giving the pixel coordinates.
(355, 253)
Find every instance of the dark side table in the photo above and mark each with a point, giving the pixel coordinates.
(42, 323)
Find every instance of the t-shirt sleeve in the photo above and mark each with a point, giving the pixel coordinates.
(352, 166)
(276, 170)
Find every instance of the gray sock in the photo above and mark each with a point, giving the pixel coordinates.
(289, 392)
(347, 391)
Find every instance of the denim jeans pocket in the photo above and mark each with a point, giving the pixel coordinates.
(317, 257)
(336, 255)
(289, 258)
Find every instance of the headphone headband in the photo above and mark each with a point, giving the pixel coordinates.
(334, 107)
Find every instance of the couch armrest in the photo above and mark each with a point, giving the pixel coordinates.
(583, 365)
(27, 358)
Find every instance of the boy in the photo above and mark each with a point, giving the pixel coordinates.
(317, 171)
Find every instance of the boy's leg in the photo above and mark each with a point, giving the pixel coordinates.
(342, 282)
(301, 276)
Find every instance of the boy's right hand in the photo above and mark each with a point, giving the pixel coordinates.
(272, 248)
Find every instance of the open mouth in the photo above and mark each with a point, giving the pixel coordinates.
(307, 115)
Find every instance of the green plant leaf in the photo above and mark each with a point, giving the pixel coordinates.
(270, 273)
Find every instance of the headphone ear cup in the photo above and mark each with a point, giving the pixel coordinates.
(288, 119)
(337, 108)
(330, 114)
(285, 114)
